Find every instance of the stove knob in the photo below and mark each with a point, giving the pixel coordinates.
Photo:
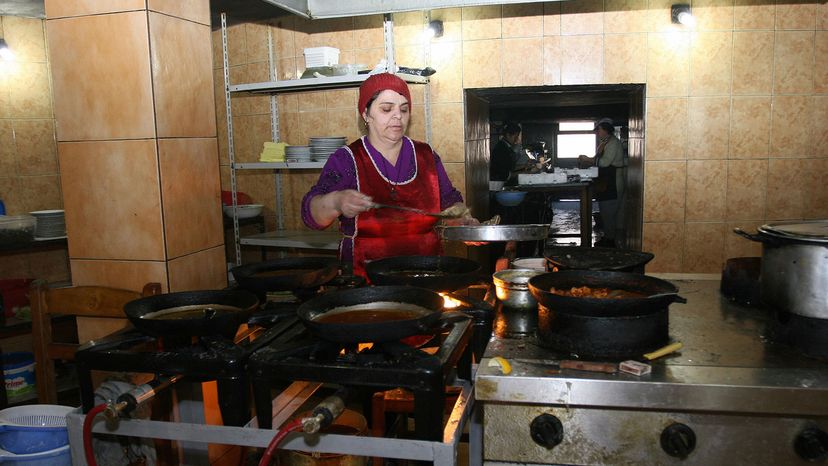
(678, 440)
(546, 430)
(812, 444)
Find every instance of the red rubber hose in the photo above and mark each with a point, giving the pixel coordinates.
(87, 433)
(295, 424)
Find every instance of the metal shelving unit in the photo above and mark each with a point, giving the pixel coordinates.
(280, 237)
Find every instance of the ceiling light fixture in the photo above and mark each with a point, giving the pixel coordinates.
(433, 30)
(5, 51)
(680, 14)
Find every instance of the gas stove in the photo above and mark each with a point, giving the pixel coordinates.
(731, 396)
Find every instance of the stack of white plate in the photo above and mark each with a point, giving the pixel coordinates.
(323, 147)
(50, 224)
(298, 153)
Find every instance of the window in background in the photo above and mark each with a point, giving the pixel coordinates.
(575, 138)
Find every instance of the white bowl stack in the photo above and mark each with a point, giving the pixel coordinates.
(49, 224)
(298, 154)
(323, 147)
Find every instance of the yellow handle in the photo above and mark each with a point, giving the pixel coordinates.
(664, 351)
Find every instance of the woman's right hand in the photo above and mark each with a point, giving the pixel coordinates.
(350, 202)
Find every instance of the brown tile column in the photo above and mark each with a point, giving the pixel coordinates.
(136, 131)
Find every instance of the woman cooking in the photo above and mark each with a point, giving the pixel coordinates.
(384, 167)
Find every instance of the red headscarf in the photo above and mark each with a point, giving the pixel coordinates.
(381, 82)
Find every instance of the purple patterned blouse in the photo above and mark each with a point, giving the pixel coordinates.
(339, 173)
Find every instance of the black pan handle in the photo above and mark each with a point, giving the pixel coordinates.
(446, 318)
(744, 234)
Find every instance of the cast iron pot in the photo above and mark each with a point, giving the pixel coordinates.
(658, 294)
(456, 273)
(794, 270)
(207, 323)
(304, 272)
(587, 258)
(426, 313)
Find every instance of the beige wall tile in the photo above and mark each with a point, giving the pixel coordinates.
(658, 17)
(408, 28)
(668, 64)
(793, 62)
(281, 30)
(481, 22)
(818, 134)
(191, 10)
(750, 127)
(344, 122)
(256, 41)
(821, 62)
(25, 37)
(447, 124)
(713, 15)
(706, 190)
(785, 195)
(582, 17)
(129, 275)
(8, 152)
(752, 62)
(622, 16)
(34, 144)
(625, 60)
(416, 127)
(552, 18)
(345, 98)
(29, 93)
(5, 96)
(667, 128)
(261, 187)
(522, 58)
(410, 55)
(737, 246)
(791, 121)
(61, 8)
(106, 217)
(746, 188)
(447, 84)
(481, 63)
(710, 63)
(703, 247)
(795, 15)
(754, 14)
(582, 59)
(813, 187)
(523, 20)
(41, 192)
(666, 242)
(457, 174)
(236, 45)
(709, 119)
(113, 99)
(552, 60)
(204, 270)
(822, 17)
(191, 204)
(182, 77)
(664, 191)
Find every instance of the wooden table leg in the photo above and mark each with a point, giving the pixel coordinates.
(586, 216)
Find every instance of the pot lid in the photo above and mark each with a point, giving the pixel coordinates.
(808, 230)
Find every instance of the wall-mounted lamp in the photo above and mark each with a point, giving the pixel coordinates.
(434, 29)
(680, 14)
(5, 51)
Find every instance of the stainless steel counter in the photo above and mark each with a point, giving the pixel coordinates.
(728, 375)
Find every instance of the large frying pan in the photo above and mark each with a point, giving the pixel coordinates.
(396, 312)
(587, 258)
(287, 274)
(212, 312)
(438, 273)
(658, 294)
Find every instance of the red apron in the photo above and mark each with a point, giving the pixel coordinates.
(380, 233)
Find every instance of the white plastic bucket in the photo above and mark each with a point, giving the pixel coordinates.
(18, 374)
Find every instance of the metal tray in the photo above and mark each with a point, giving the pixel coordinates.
(530, 232)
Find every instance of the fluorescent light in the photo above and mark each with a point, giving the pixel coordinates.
(680, 13)
(433, 30)
(5, 51)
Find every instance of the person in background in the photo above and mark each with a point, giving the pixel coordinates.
(609, 187)
(506, 160)
(386, 167)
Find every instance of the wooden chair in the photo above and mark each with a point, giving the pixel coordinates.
(79, 301)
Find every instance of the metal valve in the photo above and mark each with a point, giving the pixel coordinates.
(546, 430)
(678, 440)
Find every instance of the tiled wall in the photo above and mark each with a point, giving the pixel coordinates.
(736, 127)
(29, 174)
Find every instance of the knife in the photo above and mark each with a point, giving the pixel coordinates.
(587, 366)
(377, 205)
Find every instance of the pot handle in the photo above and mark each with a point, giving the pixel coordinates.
(446, 318)
(747, 235)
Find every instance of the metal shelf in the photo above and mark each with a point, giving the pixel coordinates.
(315, 84)
(301, 239)
(278, 165)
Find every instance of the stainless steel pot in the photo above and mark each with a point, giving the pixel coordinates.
(794, 271)
(517, 309)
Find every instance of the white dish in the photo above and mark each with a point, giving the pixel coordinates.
(39, 238)
(244, 211)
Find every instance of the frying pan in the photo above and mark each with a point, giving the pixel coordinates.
(299, 272)
(456, 272)
(208, 323)
(588, 258)
(424, 306)
(658, 293)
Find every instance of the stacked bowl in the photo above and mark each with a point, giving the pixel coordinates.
(49, 224)
(323, 147)
(299, 154)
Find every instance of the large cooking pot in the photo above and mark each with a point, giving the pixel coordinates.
(588, 258)
(438, 273)
(374, 314)
(794, 270)
(654, 294)
(192, 313)
(286, 274)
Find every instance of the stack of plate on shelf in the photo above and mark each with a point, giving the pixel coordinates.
(323, 147)
(50, 224)
(298, 153)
